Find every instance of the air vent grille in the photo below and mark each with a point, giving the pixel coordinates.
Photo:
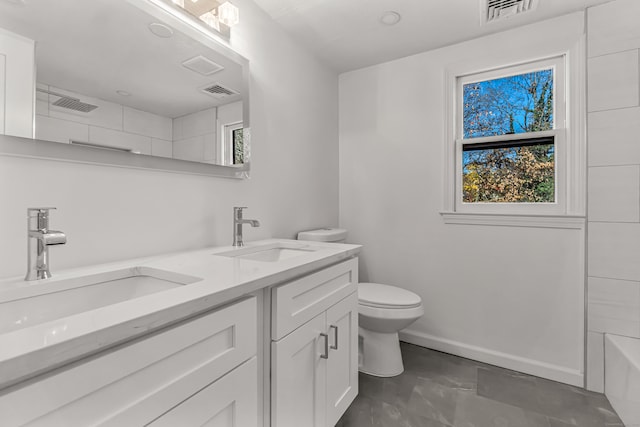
(502, 9)
(74, 104)
(219, 91)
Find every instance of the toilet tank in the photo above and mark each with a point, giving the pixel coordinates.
(334, 235)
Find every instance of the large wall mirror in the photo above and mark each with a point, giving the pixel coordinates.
(131, 81)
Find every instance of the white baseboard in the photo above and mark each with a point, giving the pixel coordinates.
(504, 360)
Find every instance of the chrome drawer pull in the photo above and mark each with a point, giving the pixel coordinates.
(326, 346)
(335, 337)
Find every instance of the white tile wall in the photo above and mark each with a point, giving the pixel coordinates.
(614, 250)
(147, 124)
(595, 361)
(614, 27)
(614, 306)
(613, 137)
(52, 129)
(114, 138)
(613, 40)
(613, 81)
(196, 124)
(189, 149)
(614, 194)
(162, 148)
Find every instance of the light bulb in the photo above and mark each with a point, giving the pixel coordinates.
(228, 14)
(211, 20)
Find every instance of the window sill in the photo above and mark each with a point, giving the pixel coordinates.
(515, 220)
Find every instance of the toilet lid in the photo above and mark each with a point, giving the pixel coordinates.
(386, 296)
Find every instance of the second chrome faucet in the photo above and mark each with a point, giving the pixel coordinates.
(237, 225)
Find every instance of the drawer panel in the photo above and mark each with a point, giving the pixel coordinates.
(121, 381)
(297, 302)
(232, 401)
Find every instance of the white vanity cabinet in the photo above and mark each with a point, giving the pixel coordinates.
(314, 353)
(201, 370)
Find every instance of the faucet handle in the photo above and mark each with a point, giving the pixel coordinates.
(39, 210)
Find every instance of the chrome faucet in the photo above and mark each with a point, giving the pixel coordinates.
(237, 225)
(38, 230)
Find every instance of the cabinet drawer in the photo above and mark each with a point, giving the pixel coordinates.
(232, 401)
(297, 302)
(135, 383)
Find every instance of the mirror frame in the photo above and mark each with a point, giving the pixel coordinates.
(34, 148)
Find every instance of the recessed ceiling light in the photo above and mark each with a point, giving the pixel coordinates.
(390, 18)
(123, 93)
(160, 30)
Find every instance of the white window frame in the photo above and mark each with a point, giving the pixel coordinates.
(226, 148)
(568, 209)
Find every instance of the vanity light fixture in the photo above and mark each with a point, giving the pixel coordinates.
(228, 14)
(217, 14)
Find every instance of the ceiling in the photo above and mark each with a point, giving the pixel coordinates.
(347, 34)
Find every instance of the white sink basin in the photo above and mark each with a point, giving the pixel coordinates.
(273, 252)
(44, 302)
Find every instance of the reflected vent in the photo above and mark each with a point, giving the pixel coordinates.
(69, 102)
(74, 104)
(219, 91)
(496, 10)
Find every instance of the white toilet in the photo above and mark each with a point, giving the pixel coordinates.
(383, 310)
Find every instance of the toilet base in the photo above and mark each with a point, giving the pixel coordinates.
(379, 353)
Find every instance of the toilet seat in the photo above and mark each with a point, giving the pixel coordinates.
(377, 295)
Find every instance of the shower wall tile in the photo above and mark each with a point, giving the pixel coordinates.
(614, 28)
(613, 81)
(161, 148)
(147, 124)
(614, 194)
(114, 138)
(595, 361)
(196, 124)
(614, 250)
(613, 137)
(614, 306)
(189, 149)
(52, 129)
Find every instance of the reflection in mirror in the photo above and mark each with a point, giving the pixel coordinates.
(110, 75)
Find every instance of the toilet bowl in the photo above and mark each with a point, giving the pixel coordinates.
(383, 310)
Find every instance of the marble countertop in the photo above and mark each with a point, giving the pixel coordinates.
(32, 350)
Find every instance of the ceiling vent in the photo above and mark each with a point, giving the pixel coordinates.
(202, 65)
(218, 91)
(498, 10)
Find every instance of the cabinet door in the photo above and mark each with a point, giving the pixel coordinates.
(298, 377)
(342, 364)
(229, 402)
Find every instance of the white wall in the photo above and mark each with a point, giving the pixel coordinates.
(112, 213)
(614, 179)
(511, 296)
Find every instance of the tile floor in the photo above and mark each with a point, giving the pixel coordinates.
(438, 390)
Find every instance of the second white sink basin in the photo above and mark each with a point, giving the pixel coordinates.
(55, 300)
(271, 252)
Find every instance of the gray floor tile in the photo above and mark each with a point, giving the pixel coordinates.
(476, 411)
(441, 390)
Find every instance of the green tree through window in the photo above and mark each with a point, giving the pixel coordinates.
(519, 170)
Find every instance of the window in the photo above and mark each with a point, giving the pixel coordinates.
(233, 150)
(510, 140)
